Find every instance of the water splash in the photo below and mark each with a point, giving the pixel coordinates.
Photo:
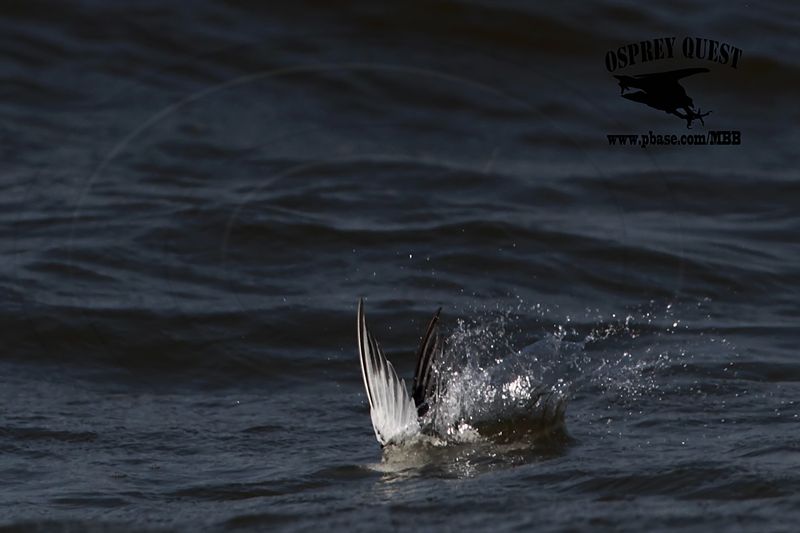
(499, 406)
(488, 389)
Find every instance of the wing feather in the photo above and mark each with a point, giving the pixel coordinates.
(393, 414)
(430, 346)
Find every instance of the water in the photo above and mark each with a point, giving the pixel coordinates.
(193, 199)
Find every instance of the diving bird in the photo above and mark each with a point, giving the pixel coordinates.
(662, 91)
(397, 415)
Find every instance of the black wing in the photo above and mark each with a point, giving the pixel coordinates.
(429, 347)
(673, 75)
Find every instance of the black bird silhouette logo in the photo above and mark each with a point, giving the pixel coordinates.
(662, 91)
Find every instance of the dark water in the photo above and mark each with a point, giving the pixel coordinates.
(194, 197)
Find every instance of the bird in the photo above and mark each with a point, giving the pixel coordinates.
(457, 401)
(663, 92)
(397, 415)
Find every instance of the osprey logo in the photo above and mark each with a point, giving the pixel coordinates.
(662, 91)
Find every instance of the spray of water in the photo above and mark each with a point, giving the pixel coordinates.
(488, 388)
(501, 404)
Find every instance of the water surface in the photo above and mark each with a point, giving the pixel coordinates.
(193, 199)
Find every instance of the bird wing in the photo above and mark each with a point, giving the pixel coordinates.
(394, 416)
(430, 346)
(672, 75)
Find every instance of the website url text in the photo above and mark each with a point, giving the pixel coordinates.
(721, 137)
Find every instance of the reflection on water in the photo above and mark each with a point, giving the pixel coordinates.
(432, 457)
